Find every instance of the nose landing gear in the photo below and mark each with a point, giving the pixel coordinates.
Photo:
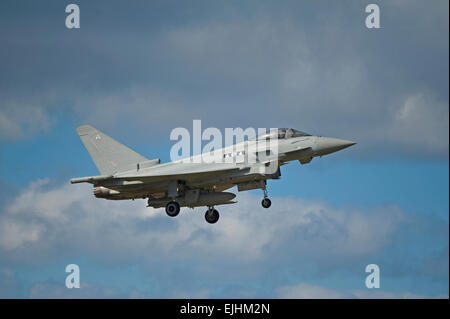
(266, 202)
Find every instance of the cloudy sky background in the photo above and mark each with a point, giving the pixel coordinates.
(138, 69)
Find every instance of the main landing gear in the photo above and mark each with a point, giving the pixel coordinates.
(172, 208)
(266, 202)
(211, 215)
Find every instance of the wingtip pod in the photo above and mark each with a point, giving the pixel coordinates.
(77, 180)
(90, 179)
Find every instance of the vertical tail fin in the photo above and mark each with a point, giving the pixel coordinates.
(108, 155)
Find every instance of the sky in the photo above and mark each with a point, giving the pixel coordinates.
(138, 69)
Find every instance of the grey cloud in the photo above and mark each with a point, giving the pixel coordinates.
(20, 120)
(311, 66)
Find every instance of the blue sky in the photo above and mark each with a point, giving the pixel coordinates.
(137, 70)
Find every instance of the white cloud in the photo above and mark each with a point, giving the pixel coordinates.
(46, 223)
(52, 290)
(307, 291)
(15, 234)
(8, 283)
(43, 220)
(199, 294)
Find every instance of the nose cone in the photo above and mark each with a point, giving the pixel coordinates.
(327, 145)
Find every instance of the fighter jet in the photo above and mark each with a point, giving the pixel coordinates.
(194, 182)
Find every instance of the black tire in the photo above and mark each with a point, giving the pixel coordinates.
(266, 203)
(172, 208)
(212, 216)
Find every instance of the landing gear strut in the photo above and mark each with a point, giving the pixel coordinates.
(172, 208)
(266, 202)
(211, 215)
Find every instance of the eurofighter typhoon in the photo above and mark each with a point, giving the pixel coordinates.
(195, 181)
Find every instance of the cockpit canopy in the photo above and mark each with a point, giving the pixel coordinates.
(282, 133)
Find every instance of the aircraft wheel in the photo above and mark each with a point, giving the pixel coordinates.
(212, 216)
(266, 203)
(172, 208)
